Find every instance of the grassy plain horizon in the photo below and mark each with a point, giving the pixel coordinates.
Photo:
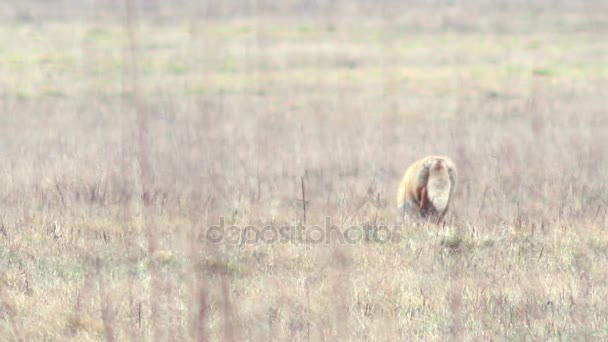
(241, 110)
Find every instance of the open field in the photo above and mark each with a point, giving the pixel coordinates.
(240, 112)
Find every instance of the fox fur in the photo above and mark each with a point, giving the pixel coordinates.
(427, 187)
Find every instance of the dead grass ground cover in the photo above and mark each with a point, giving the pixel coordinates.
(240, 112)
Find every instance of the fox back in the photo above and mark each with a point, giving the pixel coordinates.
(427, 187)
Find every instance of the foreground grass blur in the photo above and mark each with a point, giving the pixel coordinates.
(243, 111)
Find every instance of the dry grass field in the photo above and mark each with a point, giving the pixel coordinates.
(152, 178)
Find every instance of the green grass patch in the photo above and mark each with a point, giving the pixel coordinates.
(545, 72)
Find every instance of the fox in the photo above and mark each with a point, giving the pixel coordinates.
(426, 188)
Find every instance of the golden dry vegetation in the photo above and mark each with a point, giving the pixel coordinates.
(119, 164)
